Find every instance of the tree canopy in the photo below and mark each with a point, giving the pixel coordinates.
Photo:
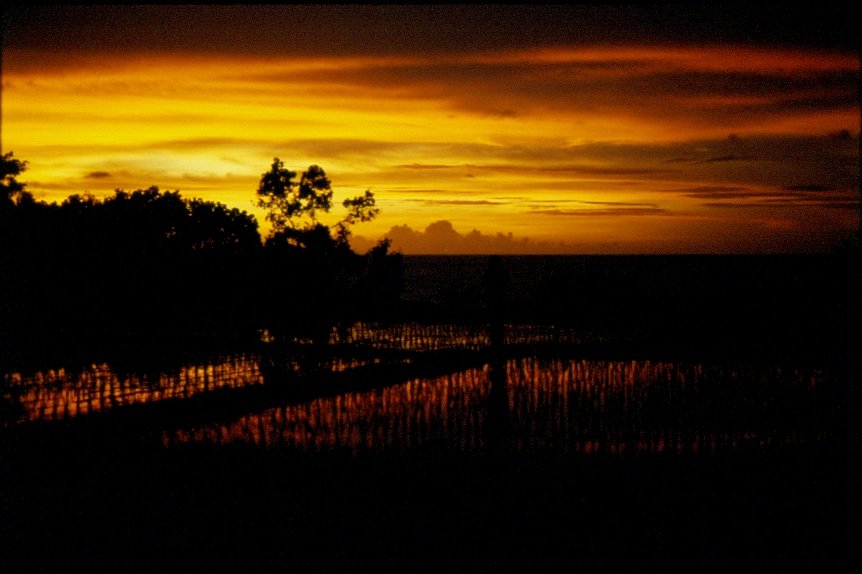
(155, 264)
(146, 263)
(11, 190)
(293, 206)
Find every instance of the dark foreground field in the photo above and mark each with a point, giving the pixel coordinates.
(74, 507)
(699, 351)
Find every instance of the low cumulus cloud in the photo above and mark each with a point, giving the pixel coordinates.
(441, 237)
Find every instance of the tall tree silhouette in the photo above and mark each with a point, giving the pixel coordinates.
(312, 277)
(293, 206)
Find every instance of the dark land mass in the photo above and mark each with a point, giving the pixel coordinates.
(774, 308)
(200, 508)
(83, 492)
(149, 281)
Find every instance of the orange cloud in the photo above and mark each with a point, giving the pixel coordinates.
(501, 141)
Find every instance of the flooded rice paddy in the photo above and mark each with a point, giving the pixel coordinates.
(429, 448)
(521, 402)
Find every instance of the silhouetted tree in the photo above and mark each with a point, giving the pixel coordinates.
(17, 214)
(292, 207)
(382, 283)
(142, 264)
(151, 265)
(12, 192)
(314, 280)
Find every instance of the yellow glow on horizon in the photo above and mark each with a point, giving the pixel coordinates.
(554, 143)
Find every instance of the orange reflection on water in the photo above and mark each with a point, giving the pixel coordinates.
(583, 407)
(60, 393)
(416, 413)
(440, 336)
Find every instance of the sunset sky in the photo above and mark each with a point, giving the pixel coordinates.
(507, 129)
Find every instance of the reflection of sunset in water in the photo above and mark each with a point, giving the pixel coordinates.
(523, 404)
(419, 412)
(568, 406)
(56, 394)
(59, 393)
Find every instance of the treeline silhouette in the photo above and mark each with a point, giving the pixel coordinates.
(151, 266)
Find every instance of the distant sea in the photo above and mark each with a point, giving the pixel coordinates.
(764, 307)
(436, 278)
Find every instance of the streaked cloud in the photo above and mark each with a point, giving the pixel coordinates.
(641, 140)
(728, 158)
(607, 212)
(812, 187)
(458, 202)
